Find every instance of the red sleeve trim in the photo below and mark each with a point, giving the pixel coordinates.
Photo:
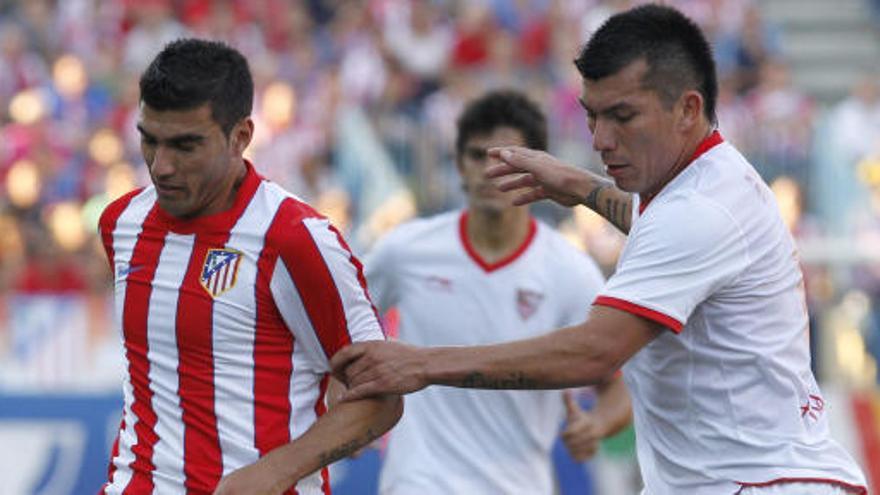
(655, 316)
(855, 489)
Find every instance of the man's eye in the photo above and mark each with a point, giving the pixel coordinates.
(624, 118)
(477, 155)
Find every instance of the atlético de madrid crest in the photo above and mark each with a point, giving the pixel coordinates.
(527, 302)
(220, 270)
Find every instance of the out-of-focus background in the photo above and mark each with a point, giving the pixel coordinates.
(355, 112)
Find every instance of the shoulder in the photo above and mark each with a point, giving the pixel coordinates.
(113, 210)
(420, 230)
(688, 215)
(293, 220)
(571, 260)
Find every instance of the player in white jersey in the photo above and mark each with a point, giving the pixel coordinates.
(231, 297)
(705, 311)
(489, 273)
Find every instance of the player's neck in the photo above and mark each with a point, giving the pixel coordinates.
(497, 234)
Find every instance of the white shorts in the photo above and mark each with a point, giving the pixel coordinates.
(797, 488)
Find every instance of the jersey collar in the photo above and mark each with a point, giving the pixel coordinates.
(474, 255)
(221, 221)
(705, 145)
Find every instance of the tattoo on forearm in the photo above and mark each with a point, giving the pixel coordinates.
(347, 449)
(616, 207)
(592, 200)
(514, 381)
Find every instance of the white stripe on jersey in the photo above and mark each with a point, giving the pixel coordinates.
(233, 348)
(307, 351)
(123, 248)
(305, 388)
(162, 354)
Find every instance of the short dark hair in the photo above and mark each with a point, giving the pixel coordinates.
(190, 72)
(676, 51)
(502, 108)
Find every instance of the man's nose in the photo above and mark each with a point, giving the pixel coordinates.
(162, 163)
(603, 137)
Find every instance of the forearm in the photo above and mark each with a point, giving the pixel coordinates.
(568, 357)
(610, 202)
(342, 431)
(613, 408)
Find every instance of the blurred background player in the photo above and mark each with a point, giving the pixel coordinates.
(488, 273)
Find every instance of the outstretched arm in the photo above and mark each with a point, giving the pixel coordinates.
(539, 175)
(584, 354)
(342, 431)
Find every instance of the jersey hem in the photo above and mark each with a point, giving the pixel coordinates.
(855, 489)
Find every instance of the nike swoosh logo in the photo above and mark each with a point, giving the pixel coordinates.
(122, 272)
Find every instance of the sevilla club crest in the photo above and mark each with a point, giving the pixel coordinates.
(220, 270)
(527, 302)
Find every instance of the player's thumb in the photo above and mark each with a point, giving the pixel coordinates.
(572, 409)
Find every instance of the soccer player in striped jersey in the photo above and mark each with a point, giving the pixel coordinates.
(231, 296)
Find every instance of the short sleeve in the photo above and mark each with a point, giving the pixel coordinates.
(379, 266)
(681, 252)
(320, 290)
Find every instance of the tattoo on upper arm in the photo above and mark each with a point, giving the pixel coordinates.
(515, 381)
(347, 449)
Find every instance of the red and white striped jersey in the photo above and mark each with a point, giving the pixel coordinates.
(228, 323)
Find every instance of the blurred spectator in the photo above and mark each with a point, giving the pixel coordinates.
(782, 139)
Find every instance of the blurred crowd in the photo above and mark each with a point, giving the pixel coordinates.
(355, 112)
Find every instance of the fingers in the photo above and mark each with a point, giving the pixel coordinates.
(519, 182)
(583, 451)
(343, 358)
(572, 408)
(513, 159)
(362, 391)
(500, 169)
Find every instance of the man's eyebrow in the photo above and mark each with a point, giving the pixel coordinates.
(177, 140)
(606, 111)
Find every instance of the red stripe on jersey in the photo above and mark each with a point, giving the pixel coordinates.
(202, 460)
(655, 316)
(138, 287)
(312, 278)
(320, 409)
(114, 452)
(359, 267)
(273, 346)
(107, 222)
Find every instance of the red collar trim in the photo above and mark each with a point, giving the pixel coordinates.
(705, 145)
(223, 220)
(490, 267)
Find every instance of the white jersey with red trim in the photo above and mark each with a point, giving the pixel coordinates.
(228, 323)
(471, 441)
(726, 399)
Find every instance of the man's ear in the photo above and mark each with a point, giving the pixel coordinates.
(241, 136)
(690, 110)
